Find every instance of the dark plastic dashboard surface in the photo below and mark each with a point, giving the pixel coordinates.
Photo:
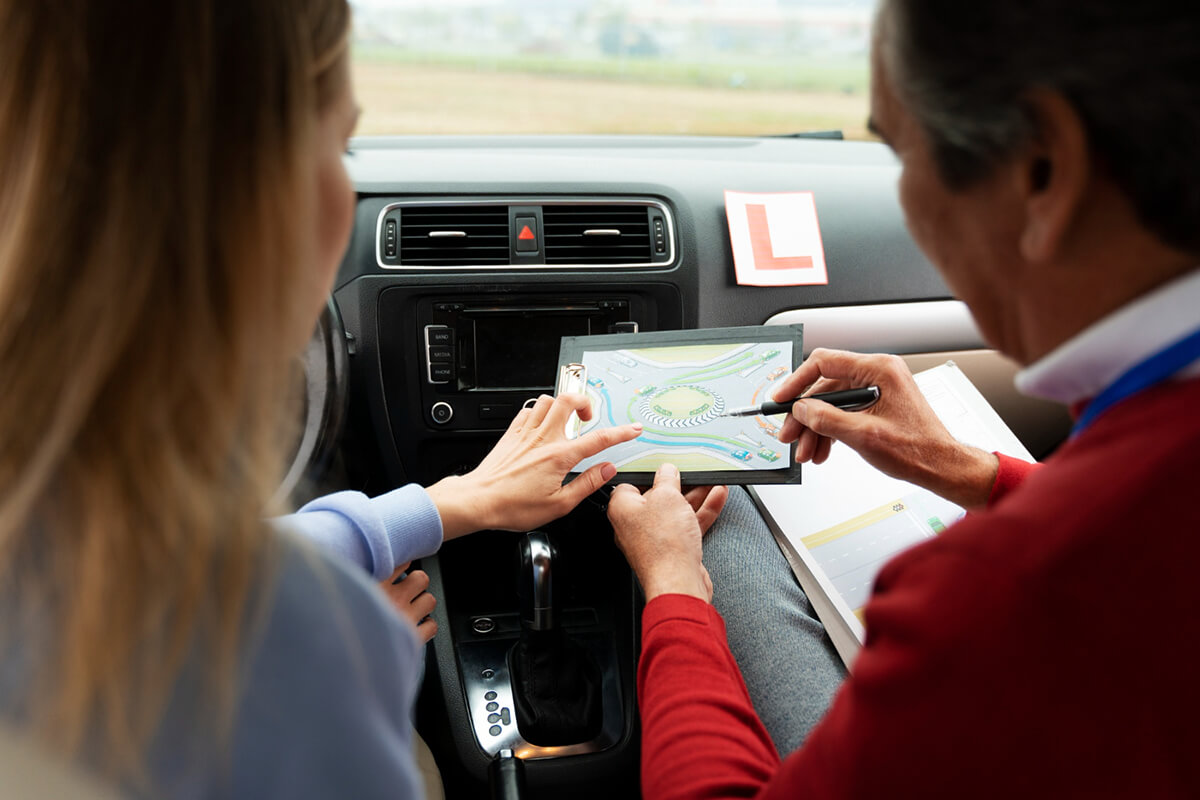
(870, 256)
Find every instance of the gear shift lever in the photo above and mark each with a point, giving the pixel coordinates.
(538, 555)
(556, 681)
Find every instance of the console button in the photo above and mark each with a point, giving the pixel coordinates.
(441, 373)
(525, 229)
(496, 411)
(389, 239)
(439, 335)
(440, 355)
(442, 412)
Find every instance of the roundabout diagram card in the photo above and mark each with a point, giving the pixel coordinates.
(678, 385)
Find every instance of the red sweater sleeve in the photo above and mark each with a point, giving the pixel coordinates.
(1010, 475)
(700, 735)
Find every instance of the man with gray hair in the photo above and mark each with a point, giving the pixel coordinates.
(1044, 646)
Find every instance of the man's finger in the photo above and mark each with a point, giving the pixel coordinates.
(806, 445)
(667, 477)
(711, 508)
(822, 418)
(790, 430)
(623, 496)
(695, 496)
(836, 365)
(823, 448)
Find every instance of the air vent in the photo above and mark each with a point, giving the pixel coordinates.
(597, 234)
(466, 235)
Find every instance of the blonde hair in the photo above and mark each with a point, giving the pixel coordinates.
(150, 173)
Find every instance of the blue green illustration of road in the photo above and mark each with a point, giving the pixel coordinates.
(679, 394)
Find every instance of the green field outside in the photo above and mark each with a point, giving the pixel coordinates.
(402, 93)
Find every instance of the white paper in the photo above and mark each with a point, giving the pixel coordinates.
(847, 519)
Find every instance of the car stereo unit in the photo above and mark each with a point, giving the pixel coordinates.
(483, 357)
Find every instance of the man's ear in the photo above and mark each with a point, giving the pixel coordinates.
(1054, 172)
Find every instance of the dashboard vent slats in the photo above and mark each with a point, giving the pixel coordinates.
(454, 235)
(525, 232)
(596, 234)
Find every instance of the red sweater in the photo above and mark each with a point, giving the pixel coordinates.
(1044, 647)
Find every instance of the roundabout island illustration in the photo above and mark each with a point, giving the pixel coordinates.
(679, 393)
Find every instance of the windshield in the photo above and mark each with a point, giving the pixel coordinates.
(714, 67)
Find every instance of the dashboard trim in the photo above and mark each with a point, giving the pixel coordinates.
(919, 327)
(665, 263)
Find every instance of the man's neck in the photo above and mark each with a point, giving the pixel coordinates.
(1111, 264)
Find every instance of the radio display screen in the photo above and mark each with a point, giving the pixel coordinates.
(520, 351)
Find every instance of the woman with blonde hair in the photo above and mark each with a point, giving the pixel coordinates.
(173, 207)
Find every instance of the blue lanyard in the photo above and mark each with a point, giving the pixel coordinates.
(1142, 375)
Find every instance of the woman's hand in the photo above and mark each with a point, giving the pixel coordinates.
(411, 598)
(519, 485)
(900, 434)
(660, 533)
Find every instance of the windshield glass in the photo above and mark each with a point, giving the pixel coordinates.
(716, 67)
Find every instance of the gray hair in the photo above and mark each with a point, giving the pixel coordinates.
(1131, 68)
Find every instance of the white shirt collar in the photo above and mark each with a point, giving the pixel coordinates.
(1081, 367)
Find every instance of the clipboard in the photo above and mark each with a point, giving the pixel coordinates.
(677, 384)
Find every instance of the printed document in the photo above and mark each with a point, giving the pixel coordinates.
(847, 519)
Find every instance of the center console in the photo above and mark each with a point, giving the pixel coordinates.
(457, 363)
(484, 355)
(446, 347)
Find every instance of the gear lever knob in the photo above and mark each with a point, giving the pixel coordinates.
(536, 582)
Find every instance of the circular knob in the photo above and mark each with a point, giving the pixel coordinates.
(442, 412)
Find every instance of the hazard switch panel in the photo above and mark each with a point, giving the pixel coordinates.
(525, 235)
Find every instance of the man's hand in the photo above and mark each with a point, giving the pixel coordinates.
(660, 533)
(519, 485)
(899, 435)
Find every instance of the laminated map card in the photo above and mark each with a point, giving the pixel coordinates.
(679, 385)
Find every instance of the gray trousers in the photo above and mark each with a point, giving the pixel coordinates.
(788, 662)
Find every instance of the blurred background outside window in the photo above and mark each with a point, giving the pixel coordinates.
(707, 67)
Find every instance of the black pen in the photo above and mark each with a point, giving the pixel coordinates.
(846, 399)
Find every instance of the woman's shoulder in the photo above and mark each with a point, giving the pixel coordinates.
(323, 629)
(326, 688)
(315, 600)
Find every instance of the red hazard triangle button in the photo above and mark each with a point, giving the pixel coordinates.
(526, 228)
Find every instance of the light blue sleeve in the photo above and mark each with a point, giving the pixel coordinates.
(376, 533)
(328, 697)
